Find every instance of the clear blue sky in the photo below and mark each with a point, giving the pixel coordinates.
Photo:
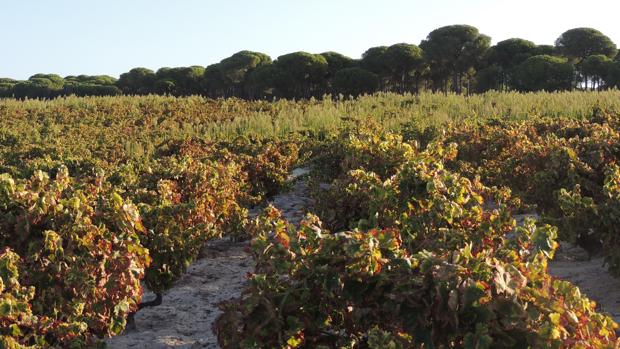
(72, 37)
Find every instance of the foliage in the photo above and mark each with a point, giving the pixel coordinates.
(337, 62)
(115, 132)
(453, 58)
(264, 165)
(306, 72)
(193, 166)
(374, 61)
(355, 82)
(228, 77)
(85, 250)
(561, 166)
(181, 81)
(39, 86)
(538, 158)
(596, 221)
(138, 81)
(503, 59)
(19, 328)
(544, 73)
(429, 266)
(579, 43)
(184, 204)
(404, 61)
(596, 68)
(197, 191)
(452, 51)
(81, 258)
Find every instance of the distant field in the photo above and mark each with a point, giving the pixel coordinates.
(148, 119)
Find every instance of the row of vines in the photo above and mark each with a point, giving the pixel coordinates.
(76, 250)
(414, 242)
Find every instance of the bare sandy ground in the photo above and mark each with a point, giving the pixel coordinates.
(572, 264)
(189, 309)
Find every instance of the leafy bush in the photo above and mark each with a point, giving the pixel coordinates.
(595, 223)
(562, 166)
(265, 164)
(365, 289)
(422, 262)
(81, 259)
(541, 159)
(268, 165)
(86, 250)
(184, 203)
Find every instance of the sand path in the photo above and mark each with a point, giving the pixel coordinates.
(185, 317)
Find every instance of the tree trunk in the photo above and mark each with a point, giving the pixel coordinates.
(468, 86)
(455, 82)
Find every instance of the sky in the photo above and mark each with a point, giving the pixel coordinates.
(72, 37)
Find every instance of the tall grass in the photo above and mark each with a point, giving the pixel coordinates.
(161, 117)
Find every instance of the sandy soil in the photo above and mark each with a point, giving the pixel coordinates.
(571, 263)
(184, 318)
(188, 310)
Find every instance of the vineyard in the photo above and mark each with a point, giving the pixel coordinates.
(411, 236)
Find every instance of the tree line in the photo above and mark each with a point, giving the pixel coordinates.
(456, 58)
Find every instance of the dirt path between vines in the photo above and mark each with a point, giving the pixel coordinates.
(590, 276)
(189, 309)
(571, 263)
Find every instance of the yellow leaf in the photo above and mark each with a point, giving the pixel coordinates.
(555, 318)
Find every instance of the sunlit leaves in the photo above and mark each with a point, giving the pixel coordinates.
(429, 265)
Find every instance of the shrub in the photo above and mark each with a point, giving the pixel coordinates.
(365, 289)
(81, 259)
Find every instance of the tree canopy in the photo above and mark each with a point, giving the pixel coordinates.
(138, 81)
(544, 72)
(502, 60)
(355, 81)
(307, 73)
(403, 61)
(455, 58)
(227, 78)
(453, 51)
(579, 43)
